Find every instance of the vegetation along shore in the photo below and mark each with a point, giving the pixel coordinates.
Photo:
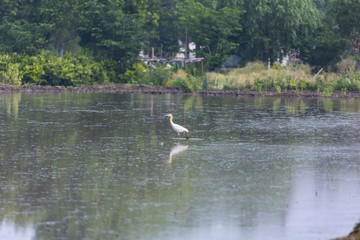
(267, 48)
(253, 80)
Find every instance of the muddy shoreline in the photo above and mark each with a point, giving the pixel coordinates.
(126, 88)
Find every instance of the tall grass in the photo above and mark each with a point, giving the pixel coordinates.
(255, 74)
(187, 82)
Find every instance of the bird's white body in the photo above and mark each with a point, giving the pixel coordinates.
(177, 128)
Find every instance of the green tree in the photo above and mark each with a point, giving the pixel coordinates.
(273, 28)
(346, 16)
(168, 31)
(112, 31)
(339, 32)
(61, 17)
(214, 31)
(217, 35)
(20, 27)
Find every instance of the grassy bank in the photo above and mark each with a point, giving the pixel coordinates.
(254, 76)
(47, 69)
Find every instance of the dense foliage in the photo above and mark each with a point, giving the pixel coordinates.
(81, 42)
(47, 68)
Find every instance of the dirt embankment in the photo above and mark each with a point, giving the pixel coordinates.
(126, 88)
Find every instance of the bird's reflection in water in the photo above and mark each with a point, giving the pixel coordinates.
(176, 150)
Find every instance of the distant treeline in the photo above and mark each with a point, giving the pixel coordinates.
(100, 40)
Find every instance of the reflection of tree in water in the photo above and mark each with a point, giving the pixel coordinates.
(12, 104)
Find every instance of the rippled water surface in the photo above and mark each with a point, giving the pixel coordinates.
(108, 166)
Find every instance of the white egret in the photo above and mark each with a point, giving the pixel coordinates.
(177, 128)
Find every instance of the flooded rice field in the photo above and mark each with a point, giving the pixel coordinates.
(109, 166)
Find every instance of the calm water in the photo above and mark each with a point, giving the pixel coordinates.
(108, 166)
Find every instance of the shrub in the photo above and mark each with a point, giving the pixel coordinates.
(9, 70)
(11, 75)
(139, 73)
(189, 83)
(33, 69)
(48, 68)
(259, 85)
(281, 82)
(158, 75)
(131, 74)
(328, 89)
(348, 81)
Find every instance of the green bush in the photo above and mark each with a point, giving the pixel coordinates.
(189, 83)
(292, 83)
(348, 81)
(303, 84)
(11, 75)
(328, 89)
(259, 85)
(281, 82)
(48, 68)
(158, 75)
(33, 69)
(276, 66)
(142, 74)
(9, 70)
(181, 83)
(318, 83)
